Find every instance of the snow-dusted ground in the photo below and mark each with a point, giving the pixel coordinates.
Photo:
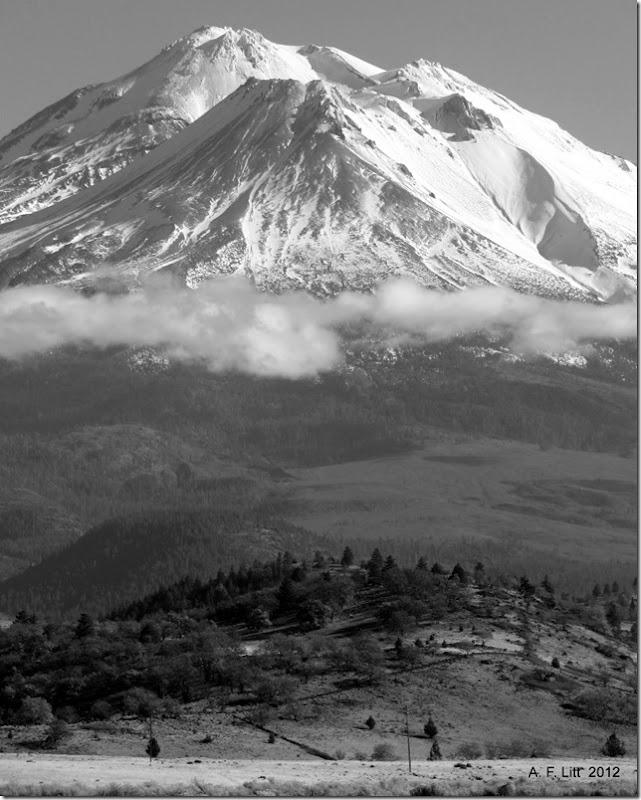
(97, 771)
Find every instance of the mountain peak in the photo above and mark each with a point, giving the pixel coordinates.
(272, 159)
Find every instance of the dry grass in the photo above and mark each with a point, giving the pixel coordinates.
(393, 787)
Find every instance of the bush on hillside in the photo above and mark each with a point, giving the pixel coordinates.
(384, 752)
(57, 732)
(469, 751)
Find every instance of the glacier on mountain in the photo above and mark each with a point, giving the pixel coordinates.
(306, 167)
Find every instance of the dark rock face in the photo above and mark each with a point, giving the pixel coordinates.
(458, 117)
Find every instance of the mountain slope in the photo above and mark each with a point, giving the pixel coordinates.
(97, 130)
(308, 168)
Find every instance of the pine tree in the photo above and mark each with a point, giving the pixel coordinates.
(390, 563)
(460, 573)
(613, 616)
(85, 626)
(153, 748)
(526, 588)
(613, 747)
(435, 752)
(286, 594)
(375, 565)
(479, 573)
(430, 728)
(596, 592)
(371, 723)
(348, 557)
(547, 586)
(421, 564)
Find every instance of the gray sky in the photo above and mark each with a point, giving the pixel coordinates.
(571, 60)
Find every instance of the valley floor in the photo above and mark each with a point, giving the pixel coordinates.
(34, 774)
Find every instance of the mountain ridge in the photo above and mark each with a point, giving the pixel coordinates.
(352, 175)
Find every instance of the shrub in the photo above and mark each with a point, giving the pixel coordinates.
(101, 710)
(206, 739)
(513, 749)
(271, 738)
(67, 713)
(469, 751)
(141, 702)
(261, 715)
(556, 663)
(613, 747)
(384, 752)
(371, 723)
(429, 790)
(57, 732)
(340, 755)
(153, 748)
(34, 711)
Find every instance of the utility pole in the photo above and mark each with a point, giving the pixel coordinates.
(407, 730)
(151, 736)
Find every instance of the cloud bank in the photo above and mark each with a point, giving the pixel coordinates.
(227, 324)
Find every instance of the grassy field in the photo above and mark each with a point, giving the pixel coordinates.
(563, 505)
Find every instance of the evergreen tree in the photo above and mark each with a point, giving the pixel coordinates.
(286, 594)
(24, 618)
(596, 591)
(547, 586)
(435, 752)
(615, 587)
(153, 748)
(606, 590)
(613, 747)
(85, 626)
(421, 564)
(288, 562)
(613, 616)
(375, 566)
(347, 558)
(460, 573)
(371, 723)
(430, 728)
(389, 564)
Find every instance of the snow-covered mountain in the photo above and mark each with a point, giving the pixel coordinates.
(304, 167)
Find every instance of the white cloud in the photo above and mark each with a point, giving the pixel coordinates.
(229, 325)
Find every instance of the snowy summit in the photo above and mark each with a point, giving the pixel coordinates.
(305, 167)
